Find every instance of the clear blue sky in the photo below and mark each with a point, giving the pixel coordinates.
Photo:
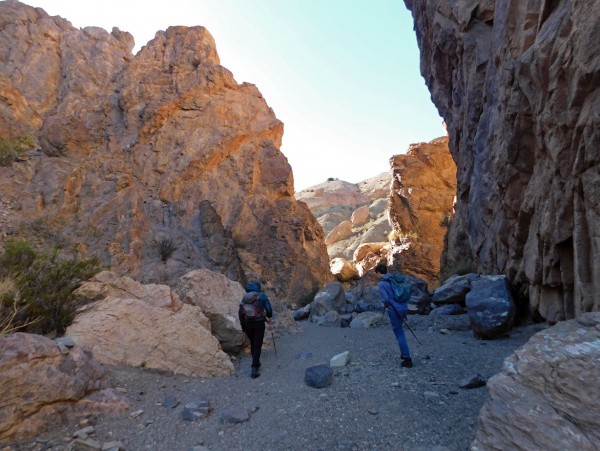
(342, 75)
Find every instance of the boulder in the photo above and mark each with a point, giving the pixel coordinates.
(318, 376)
(40, 387)
(332, 219)
(342, 269)
(454, 290)
(360, 215)
(133, 333)
(218, 297)
(545, 397)
(302, 313)
(110, 284)
(490, 306)
(341, 231)
(329, 319)
(330, 297)
(370, 300)
(366, 319)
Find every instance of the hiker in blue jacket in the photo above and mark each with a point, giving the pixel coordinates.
(254, 310)
(396, 311)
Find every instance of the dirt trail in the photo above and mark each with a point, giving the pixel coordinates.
(373, 403)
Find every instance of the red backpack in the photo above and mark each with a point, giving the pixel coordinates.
(251, 308)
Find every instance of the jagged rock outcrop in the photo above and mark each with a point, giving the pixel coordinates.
(545, 396)
(158, 163)
(518, 84)
(420, 203)
(42, 386)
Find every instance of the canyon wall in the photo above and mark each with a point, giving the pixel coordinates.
(158, 163)
(518, 84)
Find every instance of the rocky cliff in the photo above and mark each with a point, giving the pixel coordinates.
(518, 84)
(420, 207)
(158, 163)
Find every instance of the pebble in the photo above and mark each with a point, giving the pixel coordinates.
(136, 414)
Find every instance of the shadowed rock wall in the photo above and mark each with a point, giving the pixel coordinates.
(140, 155)
(518, 84)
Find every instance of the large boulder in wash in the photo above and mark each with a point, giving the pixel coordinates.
(158, 163)
(490, 306)
(122, 331)
(546, 396)
(42, 387)
(218, 297)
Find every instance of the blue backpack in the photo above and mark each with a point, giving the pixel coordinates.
(402, 292)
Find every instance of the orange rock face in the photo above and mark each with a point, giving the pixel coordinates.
(421, 197)
(159, 163)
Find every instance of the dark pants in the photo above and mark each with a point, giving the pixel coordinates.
(256, 333)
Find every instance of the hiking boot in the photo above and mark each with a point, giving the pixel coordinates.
(254, 373)
(406, 363)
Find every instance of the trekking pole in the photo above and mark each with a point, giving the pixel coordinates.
(273, 338)
(411, 331)
(406, 324)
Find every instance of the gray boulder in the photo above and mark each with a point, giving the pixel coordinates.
(490, 306)
(331, 297)
(301, 313)
(319, 376)
(366, 319)
(555, 374)
(454, 290)
(329, 319)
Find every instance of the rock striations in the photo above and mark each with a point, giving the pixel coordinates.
(159, 163)
(518, 84)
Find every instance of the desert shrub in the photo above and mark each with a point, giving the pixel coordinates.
(17, 256)
(42, 230)
(44, 285)
(165, 247)
(11, 147)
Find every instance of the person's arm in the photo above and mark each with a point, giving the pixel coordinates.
(266, 304)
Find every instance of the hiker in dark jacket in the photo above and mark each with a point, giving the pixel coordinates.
(254, 310)
(396, 311)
